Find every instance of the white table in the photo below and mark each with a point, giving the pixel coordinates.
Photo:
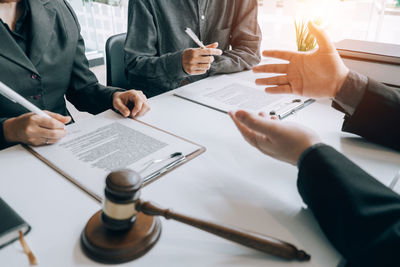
(232, 183)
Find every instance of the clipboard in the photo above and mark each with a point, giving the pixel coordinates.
(225, 93)
(281, 110)
(98, 197)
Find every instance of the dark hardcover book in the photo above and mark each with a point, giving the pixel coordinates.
(10, 224)
(369, 51)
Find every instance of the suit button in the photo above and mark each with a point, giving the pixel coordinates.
(36, 97)
(35, 76)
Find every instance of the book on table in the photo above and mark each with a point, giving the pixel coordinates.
(10, 224)
(377, 60)
(369, 51)
(95, 147)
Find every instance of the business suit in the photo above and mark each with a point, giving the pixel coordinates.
(377, 116)
(358, 214)
(56, 66)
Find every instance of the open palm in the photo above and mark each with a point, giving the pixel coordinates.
(318, 73)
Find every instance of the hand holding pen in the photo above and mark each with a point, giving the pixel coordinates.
(35, 128)
(196, 61)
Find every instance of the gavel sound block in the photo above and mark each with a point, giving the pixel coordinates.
(125, 229)
(118, 233)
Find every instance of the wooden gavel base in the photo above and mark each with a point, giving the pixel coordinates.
(103, 245)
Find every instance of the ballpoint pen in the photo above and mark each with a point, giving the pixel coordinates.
(164, 169)
(294, 109)
(154, 161)
(7, 92)
(194, 37)
(396, 178)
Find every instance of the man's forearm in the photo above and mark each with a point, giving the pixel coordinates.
(377, 115)
(234, 61)
(245, 40)
(351, 93)
(358, 214)
(164, 71)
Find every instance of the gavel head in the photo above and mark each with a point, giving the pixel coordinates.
(121, 194)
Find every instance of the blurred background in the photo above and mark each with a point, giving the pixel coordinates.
(373, 20)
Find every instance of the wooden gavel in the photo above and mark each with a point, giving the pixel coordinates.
(126, 227)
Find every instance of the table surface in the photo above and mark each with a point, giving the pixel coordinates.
(231, 183)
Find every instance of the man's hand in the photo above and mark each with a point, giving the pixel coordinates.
(131, 103)
(283, 141)
(319, 73)
(35, 130)
(196, 61)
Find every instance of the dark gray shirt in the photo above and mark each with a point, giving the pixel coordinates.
(156, 39)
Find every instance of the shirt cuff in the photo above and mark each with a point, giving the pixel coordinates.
(3, 142)
(351, 92)
(174, 66)
(308, 150)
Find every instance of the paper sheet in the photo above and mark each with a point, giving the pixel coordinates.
(238, 93)
(95, 147)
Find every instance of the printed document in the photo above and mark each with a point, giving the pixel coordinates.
(94, 147)
(225, 93)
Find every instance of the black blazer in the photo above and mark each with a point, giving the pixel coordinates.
(377, 117)
(358, 214)
(57, 65)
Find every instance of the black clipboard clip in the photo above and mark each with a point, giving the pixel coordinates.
(291, 108)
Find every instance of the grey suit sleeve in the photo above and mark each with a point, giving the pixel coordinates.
(142, 62)
(84, 91)
(245, 42)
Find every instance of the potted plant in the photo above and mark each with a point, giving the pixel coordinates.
(304, 39)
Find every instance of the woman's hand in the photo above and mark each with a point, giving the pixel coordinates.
(283, 141)
(32, 129)
(131, 103)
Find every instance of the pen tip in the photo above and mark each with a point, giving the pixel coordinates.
(303, 256)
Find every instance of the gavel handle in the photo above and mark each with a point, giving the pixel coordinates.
(249, 239)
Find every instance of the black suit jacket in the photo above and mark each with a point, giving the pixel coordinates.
(377, 117)
(57, 65)
(358, 214)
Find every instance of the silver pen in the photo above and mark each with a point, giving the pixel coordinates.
(396, 178)
(164, 169)
(293, 110)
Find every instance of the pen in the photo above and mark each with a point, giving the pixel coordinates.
(164, 169)
(194, 37)
(296, 108)
(395, 180)
(13, 96)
